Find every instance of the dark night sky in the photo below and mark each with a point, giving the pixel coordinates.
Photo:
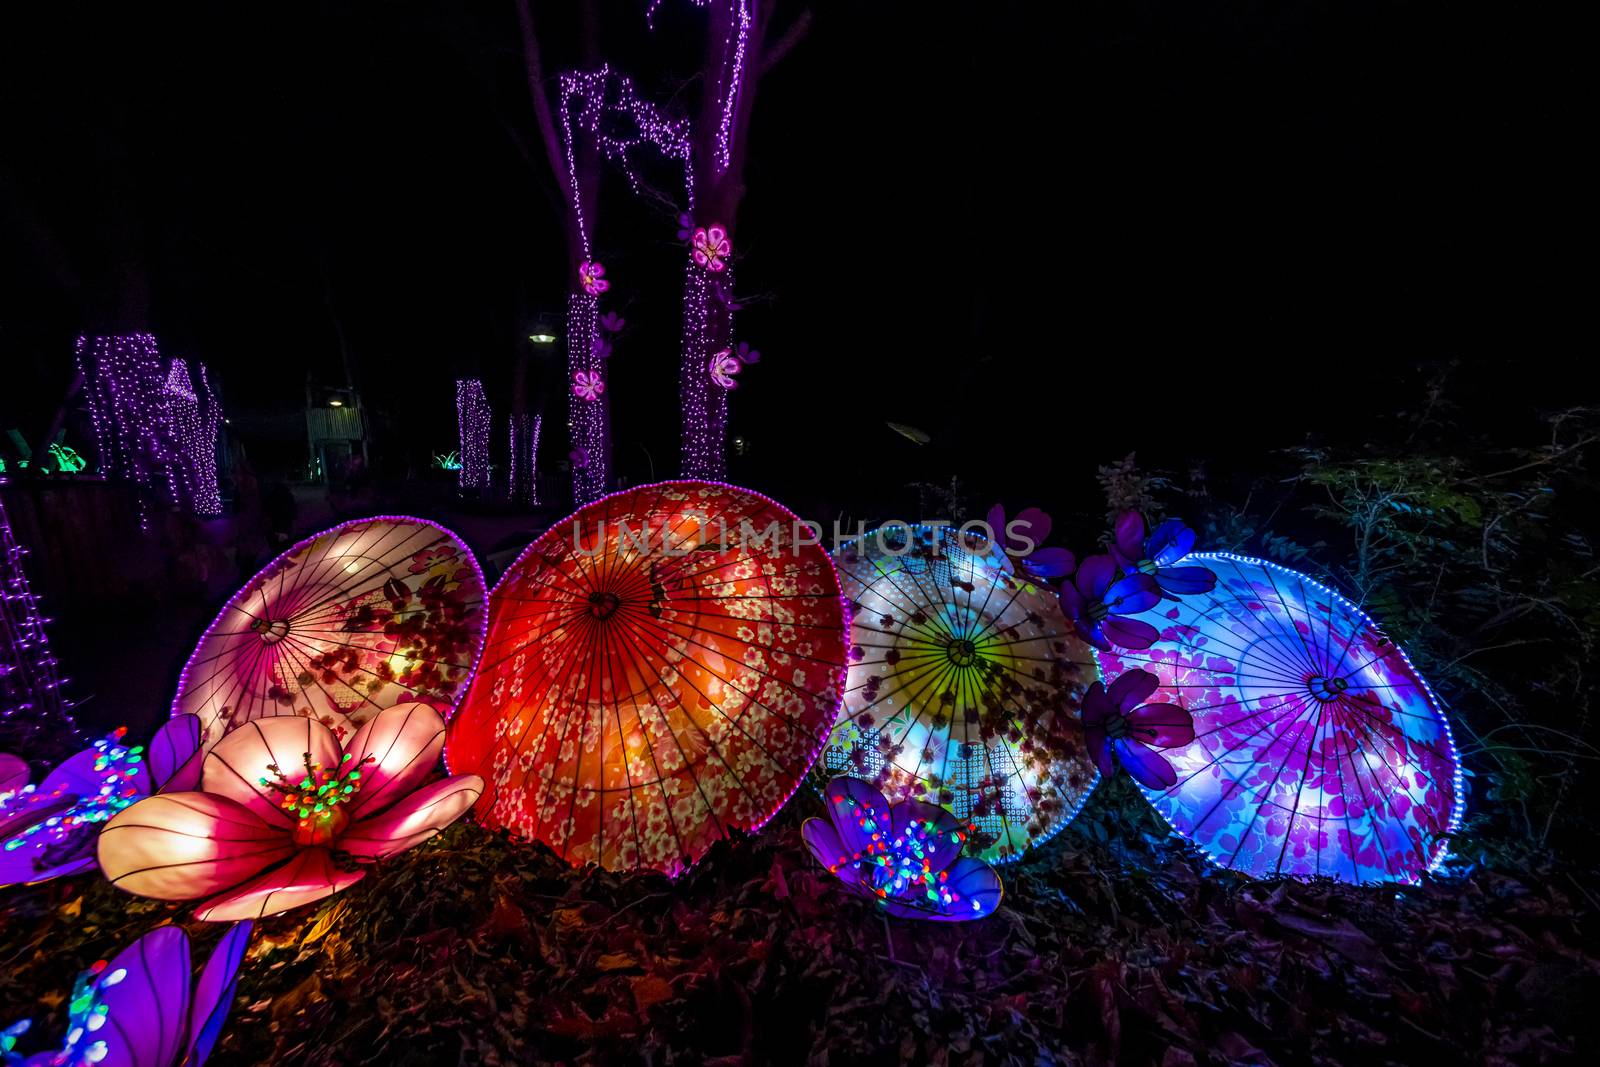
(1014, 226)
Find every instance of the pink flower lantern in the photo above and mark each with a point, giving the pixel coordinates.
(592, 276)
(588, 385)
(285, 816)
(723, 367)
(711, 248)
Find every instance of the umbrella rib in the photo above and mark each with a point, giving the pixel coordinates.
(1300, 787)
(556, 681)
(1258, 795)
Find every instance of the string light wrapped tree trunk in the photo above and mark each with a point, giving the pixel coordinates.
(743, 43)
(154, 428)
(474, 419)
(576, 168)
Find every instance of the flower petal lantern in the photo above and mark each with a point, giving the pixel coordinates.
(286, 815)
(48, 831)
(662, 668)
(964, 688)
(13, 774)
(144, 1008)
(369, 614)
(1318, 749)
(906, 855)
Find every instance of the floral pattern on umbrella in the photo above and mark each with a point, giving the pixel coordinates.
(907, 856)
(286, 815)
(48, 830)
(1318, 749)
(145, 1008)
(964, 688)
(369, 614)
(662, 669)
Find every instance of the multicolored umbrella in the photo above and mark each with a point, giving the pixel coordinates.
(369, 614)
(964, 688)
(662, 668)
(1318, 749)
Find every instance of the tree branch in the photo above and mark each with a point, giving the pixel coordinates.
(773, 53)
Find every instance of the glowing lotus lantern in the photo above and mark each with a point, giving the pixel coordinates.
(144, 1008)
(1318, 749)
(907, 856)
(369, 614)
(661, 670)
(48, 830)
(964, 688)
(285, 815)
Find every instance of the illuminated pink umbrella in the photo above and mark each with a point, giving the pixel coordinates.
(369, 614)
(1317, 748)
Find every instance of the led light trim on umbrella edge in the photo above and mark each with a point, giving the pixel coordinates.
(987, 563)
(659, 682)
(469, 572)
(1324, 666)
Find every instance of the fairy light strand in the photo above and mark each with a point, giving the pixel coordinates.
(31, 704)
(524, 473)
(474, 419)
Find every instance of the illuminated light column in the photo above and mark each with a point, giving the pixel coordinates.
(707, 329)
(524, 476)
(34, 720)
(474, 419)
(194, 418)
(588, 405)
(132, 425)
(603, 109)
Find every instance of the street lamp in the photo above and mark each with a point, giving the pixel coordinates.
(543, 330)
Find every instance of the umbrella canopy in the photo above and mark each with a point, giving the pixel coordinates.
(369, 614)
(662, 667)
(964, 688)
(1318, 749)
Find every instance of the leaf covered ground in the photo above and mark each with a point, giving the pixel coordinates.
(1115, 943)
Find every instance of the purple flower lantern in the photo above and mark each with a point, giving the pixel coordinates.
(907, 856)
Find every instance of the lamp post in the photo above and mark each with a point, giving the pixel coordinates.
(523, 482)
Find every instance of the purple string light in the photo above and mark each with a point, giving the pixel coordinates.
(474, 418)
(707, 323)
(524, 476)
(30, 688)
(195, 419)
(152, 428)
(605, 107)
(589, 420)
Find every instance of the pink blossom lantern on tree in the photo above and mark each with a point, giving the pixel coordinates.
(591, 275)
(711, 248)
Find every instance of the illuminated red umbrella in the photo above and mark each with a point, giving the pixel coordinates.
(662, 668)
(369, 614)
